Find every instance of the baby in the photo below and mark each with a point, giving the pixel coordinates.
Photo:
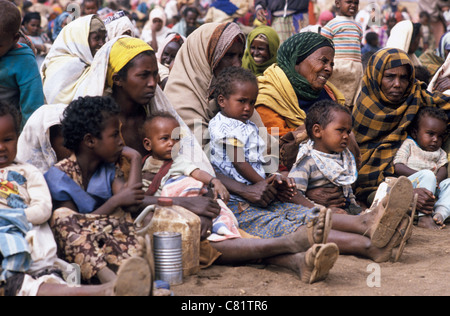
(325, 160)
(164, 166)
(422, 159)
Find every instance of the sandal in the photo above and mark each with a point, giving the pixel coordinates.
(393, 209)
(322, 221)
(408, 232)
(320, 258)
(133, 278)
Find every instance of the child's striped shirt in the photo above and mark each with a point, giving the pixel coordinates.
(347, 36)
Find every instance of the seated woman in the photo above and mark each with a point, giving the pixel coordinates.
(288, 89)
(261, 52)
(70, 57)
(388, 103)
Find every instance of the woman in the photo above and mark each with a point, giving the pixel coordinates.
(166, 56)
(390, 98)
(155, 30)
(287, 90)
(70, 57)
(406, 35)
(207, 51)
(261, 52)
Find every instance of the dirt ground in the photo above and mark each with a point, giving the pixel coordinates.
(422, 270)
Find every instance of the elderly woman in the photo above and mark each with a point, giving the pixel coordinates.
(261, 52)
(388, 103)
(288, 89)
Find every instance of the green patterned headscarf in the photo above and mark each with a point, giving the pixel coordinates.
(274, 43)
(299, 47)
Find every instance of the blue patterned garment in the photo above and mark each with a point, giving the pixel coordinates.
(227, 132)
(277, 220)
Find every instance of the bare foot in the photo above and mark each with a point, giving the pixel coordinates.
(428, 222)
(439, 220)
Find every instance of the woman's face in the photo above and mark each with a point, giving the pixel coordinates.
(142, 78)
(395, 82)
(317, 68)
(232, 58)
(260, 51)
(158, 24)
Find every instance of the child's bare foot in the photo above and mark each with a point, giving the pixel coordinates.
(439, 219)
(428, 222)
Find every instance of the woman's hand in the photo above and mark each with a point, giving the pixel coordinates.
(285, 187)
(425, 200)
(262, 193)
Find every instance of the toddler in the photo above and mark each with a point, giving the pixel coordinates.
(237, 150)
(325, 160)
(422, 159)
(163, 166)
(347, 36)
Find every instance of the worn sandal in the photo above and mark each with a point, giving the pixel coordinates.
(393, 208)
(408, 232)
(320, 258)
(133, 278)
(324, 218)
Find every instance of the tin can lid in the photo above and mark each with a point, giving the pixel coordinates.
(165, 202)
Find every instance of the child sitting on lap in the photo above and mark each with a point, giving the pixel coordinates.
(325, 160)
(424, 162)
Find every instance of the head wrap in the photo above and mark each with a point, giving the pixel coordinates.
(443, 45)
(97, 25)
(124, 50)
(273, 41)
(293, 51)
(380, 126)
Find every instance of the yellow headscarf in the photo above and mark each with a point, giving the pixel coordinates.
(124, 50)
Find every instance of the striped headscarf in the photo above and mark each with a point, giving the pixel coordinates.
(379, 125)
(293, 51)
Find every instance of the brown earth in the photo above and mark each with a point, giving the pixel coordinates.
(422, 270)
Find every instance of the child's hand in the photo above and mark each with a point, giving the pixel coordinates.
(220, 191)
(132, 195)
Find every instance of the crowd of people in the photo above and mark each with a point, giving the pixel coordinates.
(306, 129)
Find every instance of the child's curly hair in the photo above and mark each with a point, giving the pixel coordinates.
(322, 113)
(224, 84)
(86, 115)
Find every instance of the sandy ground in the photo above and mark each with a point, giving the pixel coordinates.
(422, 270)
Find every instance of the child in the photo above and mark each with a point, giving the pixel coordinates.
(422, 159)
(20, 80)
(347, 36)
(236, 148)
(88, 194)
(163, 165)
(31, 26)
(325, 160)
